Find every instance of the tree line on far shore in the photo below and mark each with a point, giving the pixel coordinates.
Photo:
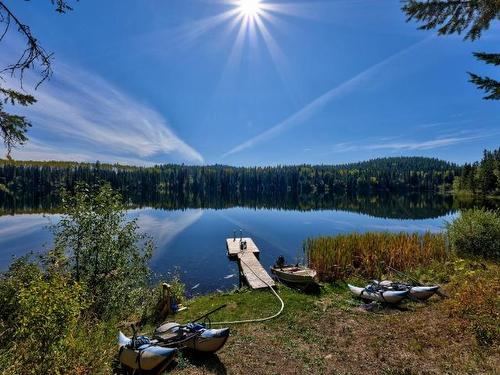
(205, 184)
(393, 175)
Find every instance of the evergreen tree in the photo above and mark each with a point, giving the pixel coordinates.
(13, 128)
(487, 177)
(482, 177)
(489, 85)
(458, 16)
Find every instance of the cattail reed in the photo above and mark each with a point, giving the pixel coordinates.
(368, 254)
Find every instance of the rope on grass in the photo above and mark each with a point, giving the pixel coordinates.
(257, 319)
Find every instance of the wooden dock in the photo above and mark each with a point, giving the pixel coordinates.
(250, 267)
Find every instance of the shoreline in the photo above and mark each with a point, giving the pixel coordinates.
(329, 333)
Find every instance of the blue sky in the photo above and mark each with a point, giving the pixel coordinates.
(191, 81)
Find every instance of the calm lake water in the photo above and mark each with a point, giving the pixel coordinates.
(191, 242)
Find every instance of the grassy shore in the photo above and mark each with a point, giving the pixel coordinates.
(329, 333)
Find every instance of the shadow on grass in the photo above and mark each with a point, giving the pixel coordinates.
(311, 289)
(207, 362)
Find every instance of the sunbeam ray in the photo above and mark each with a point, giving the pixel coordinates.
(188, 34)
(277, 55)
(319, 11)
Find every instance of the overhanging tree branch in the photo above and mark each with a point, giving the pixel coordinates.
(13, 128)
(488, 85)
(488, 58)
(33, 53)
(455, 17)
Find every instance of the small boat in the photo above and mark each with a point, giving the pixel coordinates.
(421, 293)
(193, 336)
(295, 275)
(144, 355)
(372, 293)
(298, 275)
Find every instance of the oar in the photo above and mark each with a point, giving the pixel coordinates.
(402, 274)
(209, 313)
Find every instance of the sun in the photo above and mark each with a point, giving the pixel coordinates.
(250, 8)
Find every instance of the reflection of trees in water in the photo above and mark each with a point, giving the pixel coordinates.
(400, 206)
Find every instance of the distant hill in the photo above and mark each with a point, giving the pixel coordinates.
(412, 163)
(415, 163)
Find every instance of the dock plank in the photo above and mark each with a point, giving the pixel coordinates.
(233, 246)
(255, 275)
(250, 267)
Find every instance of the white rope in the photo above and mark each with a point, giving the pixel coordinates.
(257, 319)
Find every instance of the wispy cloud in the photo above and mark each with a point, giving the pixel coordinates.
(344, 147)
(42, 150)
(409, 144)
(319, 103)
(422, 145)
(81, 116)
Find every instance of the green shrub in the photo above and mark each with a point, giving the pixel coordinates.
(178, 289)
(59, 315)
(476, 233)
(105, 250)
(42, 311)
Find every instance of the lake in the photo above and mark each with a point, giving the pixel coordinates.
(191, 241)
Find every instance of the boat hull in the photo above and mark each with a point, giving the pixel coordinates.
(423, 293)
(392, 297)
(150, 358)
(206, 340)
(210, 341)
(301, 277)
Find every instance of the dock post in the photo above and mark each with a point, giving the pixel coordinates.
(165, 300)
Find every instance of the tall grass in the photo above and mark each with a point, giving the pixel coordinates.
(368, 254)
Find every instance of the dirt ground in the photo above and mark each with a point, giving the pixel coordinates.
(327, 339)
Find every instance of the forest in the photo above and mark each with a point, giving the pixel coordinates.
(179, 186)
(480, 178)
(172, 186)
(25, 179)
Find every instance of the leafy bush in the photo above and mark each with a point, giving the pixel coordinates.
(59, 315)
(105, 250)
(178, 289)
(476, 233)
(41, 310)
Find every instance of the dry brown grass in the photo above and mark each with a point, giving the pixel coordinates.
(475, 299)
(367, 254)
